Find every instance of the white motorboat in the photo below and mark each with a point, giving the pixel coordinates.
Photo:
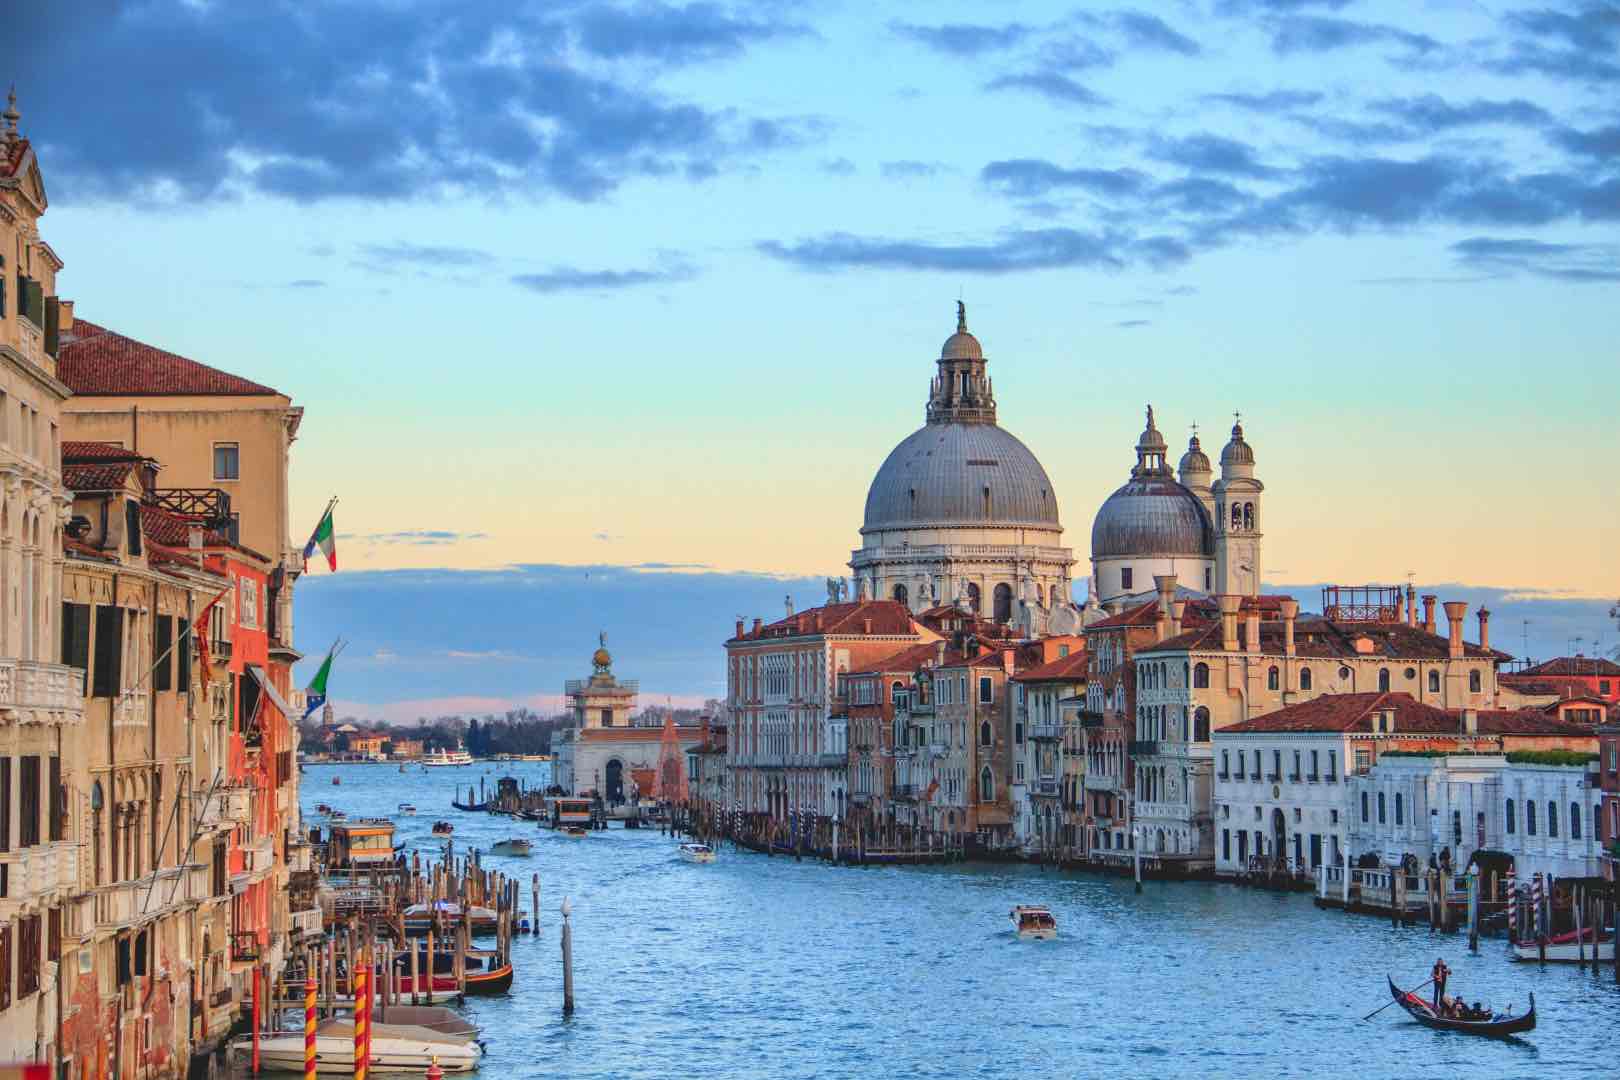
(1031, 922)
(698, 853)
(517, 846)
(394, 1048)
(407, 810)
(1565, 952)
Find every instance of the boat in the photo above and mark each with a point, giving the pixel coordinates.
(511, 846)
(337, 779)
(361, 844)
(419, 917)
(1500, 1025)
(1564, 949)
(443, 828)
(574, 832)
(698, 853)
(394, 1048)
(485, 970)
(407, 809)
(442, 758)
(1031, 922)
(471, 807)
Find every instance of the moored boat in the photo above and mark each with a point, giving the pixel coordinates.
(1565, 949)
(394, 1048)
(516, 846)
(407, 809)
(1497, 1025)
(420, 917)
(697, 853)
(1032, 922)
(574, 832)
(441, 758)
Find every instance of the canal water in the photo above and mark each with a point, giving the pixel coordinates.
(766, 967)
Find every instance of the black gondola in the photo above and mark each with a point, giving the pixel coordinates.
(1497, 1027)
(469, 806)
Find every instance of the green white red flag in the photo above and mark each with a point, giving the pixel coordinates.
(324, 539)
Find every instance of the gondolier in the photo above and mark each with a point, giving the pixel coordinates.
(1439, 975)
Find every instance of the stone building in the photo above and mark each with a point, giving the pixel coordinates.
(1047, 743)
(962, 510)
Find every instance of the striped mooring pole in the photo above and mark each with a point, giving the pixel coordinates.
(1513, 906)
(309, 1028)
(362, 1015)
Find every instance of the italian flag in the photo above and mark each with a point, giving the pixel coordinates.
(322, 538)
(315, 692)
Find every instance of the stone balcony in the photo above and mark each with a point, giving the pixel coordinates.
(35, 874)
(1045, 730)
(1045, 787)
(306, 923)
(158, 893)
(32, 692)
(260, 857)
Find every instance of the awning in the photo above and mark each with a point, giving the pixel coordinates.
(270, 690)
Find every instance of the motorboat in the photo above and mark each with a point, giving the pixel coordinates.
(407, 809)
(575, 832)
(1496, 1025)
(697, 853)
(404, 1048)
(1565, 949)
(1031, 922)
(443, 828)
(442, 758)
(516, 846)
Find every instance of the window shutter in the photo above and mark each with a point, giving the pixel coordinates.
(107, 678)
(163, 674)
(132, 526)
(53, 795)
(183, 656)
(76, 635)
(28, 800)
(5, 804)
(53, 324)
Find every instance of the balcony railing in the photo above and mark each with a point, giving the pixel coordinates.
(306, 923)
(832, 761)
(938, 750)
(1143, 747)
(1046, 730)
(1047, 786)
(126, 902)
(42, 693)
(903, 791)
(36, 872)
(1272, 778)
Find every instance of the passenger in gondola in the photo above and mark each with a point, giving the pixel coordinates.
(1479, 1013)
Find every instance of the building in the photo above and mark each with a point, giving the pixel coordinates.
(1569, 677)
(1609, 780)
(1285, 783)
(1048, 769)
(871, 698)
(962, 510)
(604, 750)
(708, 786)
(971, 776)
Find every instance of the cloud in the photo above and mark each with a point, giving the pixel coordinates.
(1431, 114)
(1211, 154)
(1272, 101)
(909, 170)
(1579, 46)
(1574, 263)
(963, 39)
(413, 537)
(501, 656)
(574, 279)
(1015, 250)
(838, 167)
(1050, 85)
(306, 283)
(1031, 178)
(1146, 31)
(1132, 324)
(1320, 33)
(1599, 143)
(674, 35)
(421, 256)
(374, 99)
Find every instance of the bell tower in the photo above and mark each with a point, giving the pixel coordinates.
(1237, 519)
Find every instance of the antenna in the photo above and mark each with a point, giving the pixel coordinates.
(1527, 641)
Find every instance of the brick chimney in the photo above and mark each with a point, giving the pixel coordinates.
(1167, 591)
(866, 625)
(64, 317)
(739, 627)
(939, 653)
(1411, 605)
(1290, 612)
(1470, 722)
(1229, 617)
(1428, 613)
(1007, 661)
(194, 536)
(758, 624)
(1178, 611)
(1484, 628)
(1455, 610)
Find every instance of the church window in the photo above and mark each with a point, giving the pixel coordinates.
(1125, 579)
(1434, 681)
(1237, 515)
(1273, 678)
(1003, 593)
(1200, 724)
(1473, 681)
(1383, 680)
(1201, 677)
(900, 593)
(1248, 516)
(1304, 678)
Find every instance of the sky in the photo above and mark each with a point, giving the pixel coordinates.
(654, 287)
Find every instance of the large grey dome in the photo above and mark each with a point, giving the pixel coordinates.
(1152, 515)
(960, 474)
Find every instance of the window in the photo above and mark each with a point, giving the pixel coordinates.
(1333, 766)
(132, 527)
(1207, 583)
(1226, 839)
(1125, 579)
(1273, 680)
(1399, 818)
(984, 734)
(163, 672)
(1224, 764)
(76, 637)
(1529, 818)
(28, 800)
(1200, 724)
(183, 656)
(1304, 678)
(1201, 677)
(986, 690)
(1434, 681)
(987, 785)
(5, 966)
(1380, 808)
(5, 823)
(1276, 764)
(28, 959)
(1383, 680)
(1574, 821)
(1507, 817)
(1552, 819)
(1294, 776)
(57, 796)
(107, 677)
(1314, 760)
(1473, 681)
(227, 461)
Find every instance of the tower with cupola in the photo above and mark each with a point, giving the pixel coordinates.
(1238, 529)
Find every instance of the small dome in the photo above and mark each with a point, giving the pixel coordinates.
(602, 658)
(1194, 460)
(1149, 516)
(1151, 439)
(961, 346)
(1237, 452)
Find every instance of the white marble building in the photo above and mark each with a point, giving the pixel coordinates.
(1280, 793)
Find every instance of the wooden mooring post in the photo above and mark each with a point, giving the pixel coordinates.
(568, 958)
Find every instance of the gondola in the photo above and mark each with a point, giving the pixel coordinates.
(469, 806)
(1497, 1027)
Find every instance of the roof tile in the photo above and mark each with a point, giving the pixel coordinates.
(96, 361)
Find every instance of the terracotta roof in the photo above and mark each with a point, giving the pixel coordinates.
(166, 527)
(1069, 668)
(1354, 713)
(162, 554)
(906, 660)
(96, 477)
(1323, 639)
(86, 551)
(888, 617)
(1571, 665)
(96, 361)
(1141, 615)
(76, 452)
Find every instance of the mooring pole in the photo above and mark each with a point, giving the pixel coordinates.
(568, 958)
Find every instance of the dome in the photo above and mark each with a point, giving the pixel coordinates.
(961, 346)
(1152, 516)
(1194, 460)
(939, 475)
(1237, 452)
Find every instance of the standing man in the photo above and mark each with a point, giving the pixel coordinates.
(1440, 974)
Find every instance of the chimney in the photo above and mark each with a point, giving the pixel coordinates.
(1484, 628)
(1167, 592)
(1229, 614)
(1428, 614)
(815, 622)
(1455, 610)
(1411, 605)
(194, 536)
(1290, 611)
(1252, 630)
(1178, 611)
(1386, 721)
(758, 623)
(1007, 664)
(1470, 721)
(739, 628)
(939, 653)
(866, 625)
(788, 601)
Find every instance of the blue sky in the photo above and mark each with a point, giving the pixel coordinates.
(609, 284)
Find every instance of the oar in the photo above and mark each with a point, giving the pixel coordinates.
(1393, 1000)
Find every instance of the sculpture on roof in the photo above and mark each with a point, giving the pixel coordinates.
(837, 590)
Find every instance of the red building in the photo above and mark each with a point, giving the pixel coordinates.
(1569, 676)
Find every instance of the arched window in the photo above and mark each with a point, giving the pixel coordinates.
(1574, 821)
(1273, 679)
(1305, 678)
(1200, 724)
(1248, 516)
(1434, 681)
(1383, 680)
(1003, 602)
(900, 593)
(1201, 677)
(1529, 818)
(987, 785)
(1473, 681)
(1237, 515)
(973, 597)
(1508, 817)
(1364, 808)
(984, 734)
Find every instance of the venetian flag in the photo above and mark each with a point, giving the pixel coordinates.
(322, 538)
(315, 692)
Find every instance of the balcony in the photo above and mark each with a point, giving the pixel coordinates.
(169, 889)
(1272, 778)
(260, 856)
(38, 693)
(1089, 719)
(1101, 781)
(238, 804)
(34, 873)
(1045, 787)
(306, 923)
(906, 792)
(1143, 747)
(832, 761)
(1046, 731)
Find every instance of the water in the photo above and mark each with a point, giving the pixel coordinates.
(756, 967)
